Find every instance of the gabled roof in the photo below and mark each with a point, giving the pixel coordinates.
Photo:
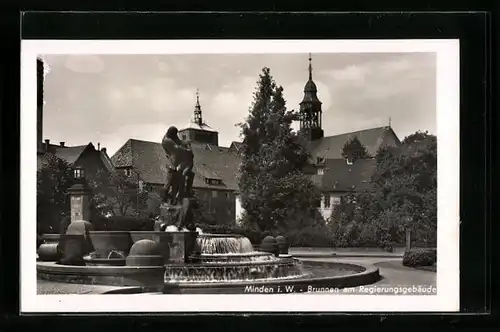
(330, 147)
(106, 161)
(69, 153)
(149, 160)
(340, 176)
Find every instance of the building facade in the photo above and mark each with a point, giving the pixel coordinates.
(216, 167)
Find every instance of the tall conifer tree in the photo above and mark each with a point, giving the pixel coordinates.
(276, 195)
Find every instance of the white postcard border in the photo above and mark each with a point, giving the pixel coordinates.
(447, 298)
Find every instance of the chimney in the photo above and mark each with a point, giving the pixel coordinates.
(61, 144)
(47, 143)
(98, 146)
(103, 150)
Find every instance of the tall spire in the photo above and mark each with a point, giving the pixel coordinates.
(310, 68)
(197, 109)
(310, 109)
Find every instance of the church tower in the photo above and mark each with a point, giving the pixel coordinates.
(197, 131)
(310, 110)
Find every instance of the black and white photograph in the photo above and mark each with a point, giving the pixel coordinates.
(248, 175)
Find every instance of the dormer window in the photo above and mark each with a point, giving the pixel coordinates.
(320, 160)
(213, 182)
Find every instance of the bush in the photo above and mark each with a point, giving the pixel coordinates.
(312, 236)
(420, 257)
(123, 223)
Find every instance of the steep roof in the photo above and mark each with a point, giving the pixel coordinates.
(340, 176)
(68, 153)
(150, 161)
(330, 147)
(106, 161)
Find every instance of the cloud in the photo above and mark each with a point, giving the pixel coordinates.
(351, 73)
(89, 64)
(139, 96)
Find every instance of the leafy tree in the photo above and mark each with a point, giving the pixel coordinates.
(403, 197)
(275, 193)
(116, 194)
(353, 150)
(54, 178)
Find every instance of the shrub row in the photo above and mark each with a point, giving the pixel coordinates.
(420, 257)
(123, 223)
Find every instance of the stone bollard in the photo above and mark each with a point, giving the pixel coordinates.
(49, 250)
(144, 253)
(269, 245)
(283, 244)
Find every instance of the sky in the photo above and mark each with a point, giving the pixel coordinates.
(108, 99)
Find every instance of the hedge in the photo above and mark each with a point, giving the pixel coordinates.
(123, 223)
(420, 257)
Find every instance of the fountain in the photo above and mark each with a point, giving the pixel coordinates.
(178, 258)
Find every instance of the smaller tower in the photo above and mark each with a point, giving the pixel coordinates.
(310, 109)
(197, 131)
(197, 110)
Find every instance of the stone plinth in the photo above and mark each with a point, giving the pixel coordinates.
(181, 245)
(73, 249)
(169, 215)
(180, 215)
(79, 202)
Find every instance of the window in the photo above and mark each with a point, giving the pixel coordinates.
(327, 200)
(321, 171)
(228, 195)
(348, 161)
(320, 160)
(213, 182)
(128, 171)
(318, 203)
(214, 193)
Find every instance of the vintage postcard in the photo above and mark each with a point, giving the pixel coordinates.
(240, 175)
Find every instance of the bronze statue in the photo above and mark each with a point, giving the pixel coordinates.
(180, 167)
(177, 195)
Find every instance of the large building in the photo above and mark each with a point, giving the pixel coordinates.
(216, 167)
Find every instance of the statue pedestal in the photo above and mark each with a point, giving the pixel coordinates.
(181, 246)
(179, 215)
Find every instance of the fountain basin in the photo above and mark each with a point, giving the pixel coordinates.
(89, 261)
(104, 242)
(148, 279)
(234, 271)
(341, 275)
(143, 276)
